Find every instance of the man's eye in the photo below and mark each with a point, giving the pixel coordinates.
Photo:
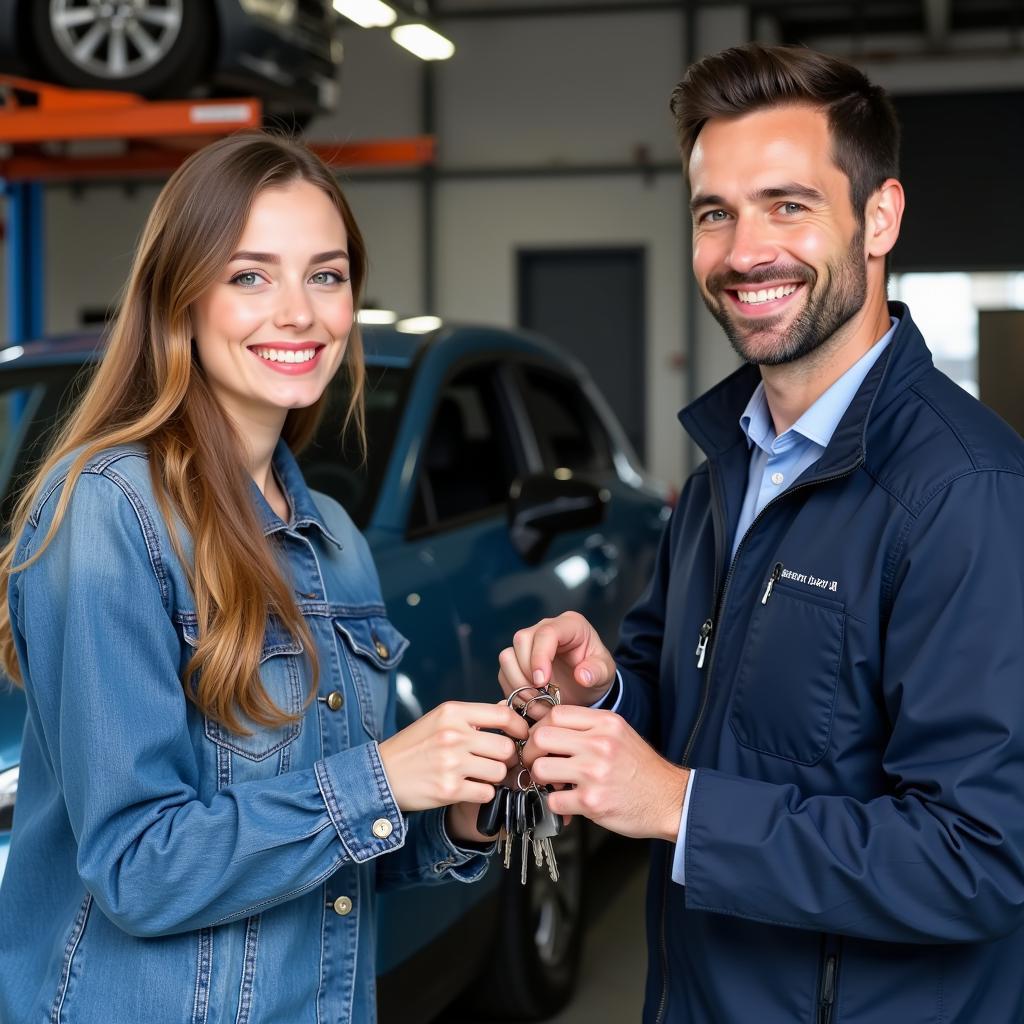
(714, 216)
(792, 208)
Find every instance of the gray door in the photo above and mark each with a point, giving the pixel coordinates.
(591, 301)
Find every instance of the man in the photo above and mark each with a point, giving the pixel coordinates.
(829, 660)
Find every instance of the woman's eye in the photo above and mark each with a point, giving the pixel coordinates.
(328, 277)
(247, 279)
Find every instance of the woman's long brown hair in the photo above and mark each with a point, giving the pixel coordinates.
(150, 388)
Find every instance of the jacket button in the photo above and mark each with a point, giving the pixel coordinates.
(342, 906)
(382, 828)
(382, 650)
(335, 700)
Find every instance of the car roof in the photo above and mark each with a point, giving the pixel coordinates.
(384, 345)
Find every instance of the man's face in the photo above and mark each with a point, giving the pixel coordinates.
(777, 251)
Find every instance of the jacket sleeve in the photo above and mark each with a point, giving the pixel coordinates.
(940, 858)
(429, 855)
(100, 656)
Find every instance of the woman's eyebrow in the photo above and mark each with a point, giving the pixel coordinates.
(270, 257)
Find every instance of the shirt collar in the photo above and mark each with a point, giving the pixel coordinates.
(300, 502)
(819, 422)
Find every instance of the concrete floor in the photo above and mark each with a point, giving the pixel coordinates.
(611, 987)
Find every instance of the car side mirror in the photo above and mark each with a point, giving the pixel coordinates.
(542, 506)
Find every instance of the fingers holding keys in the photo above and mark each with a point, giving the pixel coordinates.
(618, 780)
(446, 757)
(566, 651)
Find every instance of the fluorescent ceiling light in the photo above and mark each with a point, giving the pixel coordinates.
(418, 324)
(367, 13)
(423, 41)
(376, 316)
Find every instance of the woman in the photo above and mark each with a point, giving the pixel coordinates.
(210, 795)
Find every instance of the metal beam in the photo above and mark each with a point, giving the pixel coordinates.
(938, 15)
(549, 9)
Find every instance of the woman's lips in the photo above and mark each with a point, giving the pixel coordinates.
(289, 369)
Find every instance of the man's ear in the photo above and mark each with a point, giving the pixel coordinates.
(882, 218)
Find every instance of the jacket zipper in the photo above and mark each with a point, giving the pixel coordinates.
(706, 629)
(772, 580)
(827, 994)
(832, 948)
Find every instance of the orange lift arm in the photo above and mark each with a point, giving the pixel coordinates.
(159, 133)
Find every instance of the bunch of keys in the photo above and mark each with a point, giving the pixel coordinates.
(523, 812)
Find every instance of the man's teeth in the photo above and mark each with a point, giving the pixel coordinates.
(280, 355)
(767, 294)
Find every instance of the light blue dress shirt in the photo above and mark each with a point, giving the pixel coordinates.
(776, 462)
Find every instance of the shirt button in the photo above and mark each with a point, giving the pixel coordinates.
(342, 906)
(382, 828)
(382, 649)
(335, 700)
(777, 478)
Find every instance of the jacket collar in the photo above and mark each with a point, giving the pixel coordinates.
(713, 419)
(304, 512)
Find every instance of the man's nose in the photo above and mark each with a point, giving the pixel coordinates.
(294, 308)
(752, 245)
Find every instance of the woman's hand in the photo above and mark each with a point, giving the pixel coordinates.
(445, 757)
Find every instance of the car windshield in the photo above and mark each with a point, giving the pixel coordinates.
(34, 401)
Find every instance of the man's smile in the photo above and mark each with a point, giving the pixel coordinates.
(756, 302)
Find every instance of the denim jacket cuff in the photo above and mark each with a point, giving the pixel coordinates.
(462, 863)
(360, 802)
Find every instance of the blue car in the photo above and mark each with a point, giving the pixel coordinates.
(499, 489)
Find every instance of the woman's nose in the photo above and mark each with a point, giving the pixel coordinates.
(294, 308)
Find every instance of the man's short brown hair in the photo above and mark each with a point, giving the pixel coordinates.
(862, 122)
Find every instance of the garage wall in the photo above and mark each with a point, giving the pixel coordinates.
(526, 101)
(532, 115)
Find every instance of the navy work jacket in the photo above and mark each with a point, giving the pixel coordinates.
(855, 843)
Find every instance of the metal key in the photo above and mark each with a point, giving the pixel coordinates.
(536, 810)
(509, 827)
(548, 825)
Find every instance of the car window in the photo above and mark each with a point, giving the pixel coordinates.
(569, 433)
(333, 461)
(468, 462)
(33, 404)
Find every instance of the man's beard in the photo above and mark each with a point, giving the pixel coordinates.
(842, 295)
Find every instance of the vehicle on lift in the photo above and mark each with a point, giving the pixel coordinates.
(287, 52)
(499, 489)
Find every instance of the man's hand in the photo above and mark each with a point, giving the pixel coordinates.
(621, 782)
(565, 651)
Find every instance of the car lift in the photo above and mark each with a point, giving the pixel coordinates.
(39, 122)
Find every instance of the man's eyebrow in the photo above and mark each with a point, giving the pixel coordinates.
(702, 199)
(790, 190)
(270, 257)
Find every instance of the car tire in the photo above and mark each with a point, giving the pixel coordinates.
(532, 971)
(164, 49)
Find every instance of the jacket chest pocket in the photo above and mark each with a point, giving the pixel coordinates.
(281, 675)
(785, 694)
(372, 648)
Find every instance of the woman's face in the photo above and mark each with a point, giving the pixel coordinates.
(271, 330)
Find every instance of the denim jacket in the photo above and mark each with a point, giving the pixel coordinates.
(161, 867)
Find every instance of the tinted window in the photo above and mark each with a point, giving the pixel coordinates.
(468, 463)
(333, 462)
(33, 404)
(569, 433)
